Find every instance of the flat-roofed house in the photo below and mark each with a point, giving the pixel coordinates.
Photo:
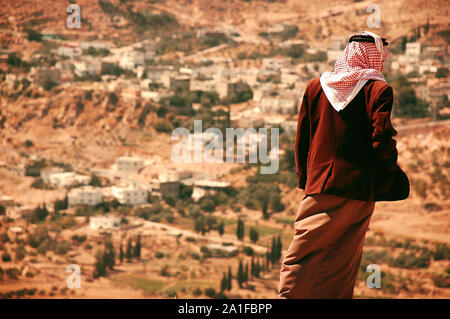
(66, 179)
(130, 195)
(86, 195)
(104, 222)
(128, 163)
(6, 200)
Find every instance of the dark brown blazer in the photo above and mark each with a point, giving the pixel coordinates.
(350, 153)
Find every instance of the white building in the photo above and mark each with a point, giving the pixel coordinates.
(69, 52)
(203, 187)
(413, 49)
(126, 163)
(151, 95)
(95, 45)
(104, 222)
(206, 86)
(429, 66)
(86, 195)
(87, 67)
(276, 63)
(65, 179)
(198, 193)
(275, 28)
(6, 200)
(132, 59)
(130, 195)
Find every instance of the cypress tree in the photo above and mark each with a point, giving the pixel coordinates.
(230, 278)
(121, 253)
(273, 251)
(263, 266)
(109, 255)
(224, 283)
(265, 206)
(221, 228)
(137, 248)
(427, 26)
(257, 269)
(279, 248)
(246, 273)
(253, 268)
(100, 267)
(240, 274)
(129, 253)
(254, 235)
(240, 230)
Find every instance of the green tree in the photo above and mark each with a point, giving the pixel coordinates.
(129, 251)
(33, 35)
(257, 268)
(223, 283)
(275, 251)
(240, 274)
(100, 266)
(275, 203)
(240, 229)
(61, 204)
(199, 224)
(229, 279)
(408, 105)
(95, 181)
(265, 207)
(254, 235)
(279, 247)
(137, 248)
(20, 252)
(246, 272)
(442, 73)
(221, 228)
(121, 253)
(403, 43)
(109, 255)
(38, 214)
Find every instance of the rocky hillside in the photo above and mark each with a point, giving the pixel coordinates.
(123, 21)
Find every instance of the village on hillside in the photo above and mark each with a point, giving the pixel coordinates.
(88, 178)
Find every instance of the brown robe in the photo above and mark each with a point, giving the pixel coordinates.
(345, 162)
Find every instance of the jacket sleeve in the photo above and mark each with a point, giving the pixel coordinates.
(384, 146)
(302, 141)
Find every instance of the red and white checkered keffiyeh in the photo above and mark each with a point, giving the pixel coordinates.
(358, 63)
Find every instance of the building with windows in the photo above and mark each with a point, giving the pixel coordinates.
(65, 179)
(126, 163)
(104, 222)
(86, 195)
(130, 195)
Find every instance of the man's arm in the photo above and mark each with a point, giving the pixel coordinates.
(302, 141)
(383, 144)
